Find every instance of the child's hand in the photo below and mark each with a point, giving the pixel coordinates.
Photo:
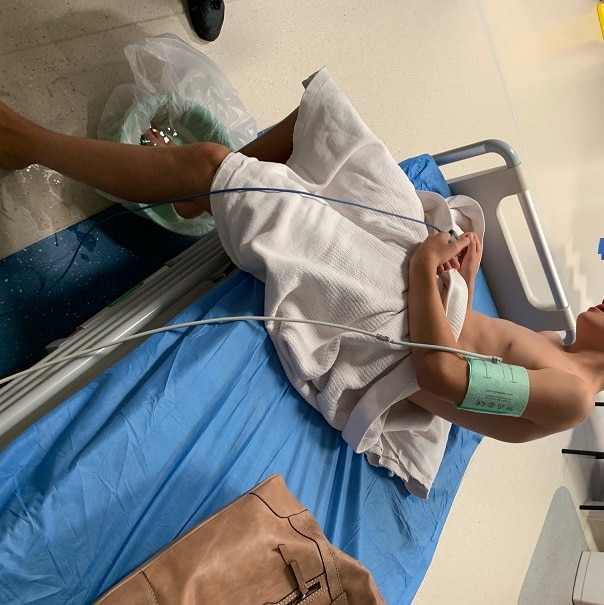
(469, 258)
(436, 252)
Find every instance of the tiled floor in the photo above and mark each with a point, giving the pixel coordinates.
(426, 76)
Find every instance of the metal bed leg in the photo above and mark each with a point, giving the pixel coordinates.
(597, 455)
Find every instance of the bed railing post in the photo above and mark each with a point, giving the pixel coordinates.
(502, 267)
(501, 148)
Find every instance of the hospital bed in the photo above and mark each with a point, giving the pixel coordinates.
(109, 456)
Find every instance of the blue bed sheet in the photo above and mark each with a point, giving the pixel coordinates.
(424, 173)
(153, 446)
(181, 426)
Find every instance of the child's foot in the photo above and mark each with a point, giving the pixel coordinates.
(13, 138)
(156, 138)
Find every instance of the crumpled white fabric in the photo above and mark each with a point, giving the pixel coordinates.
(347, 265)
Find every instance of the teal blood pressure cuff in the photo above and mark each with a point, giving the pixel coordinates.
(496, 388)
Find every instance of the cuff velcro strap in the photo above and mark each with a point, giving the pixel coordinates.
(496, 388)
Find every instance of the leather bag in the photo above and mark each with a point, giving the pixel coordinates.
(263, 548)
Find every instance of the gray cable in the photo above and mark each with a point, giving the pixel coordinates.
(215, 320)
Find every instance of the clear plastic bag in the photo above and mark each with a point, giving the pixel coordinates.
(183, 93)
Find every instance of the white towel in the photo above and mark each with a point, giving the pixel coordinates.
(345, 265)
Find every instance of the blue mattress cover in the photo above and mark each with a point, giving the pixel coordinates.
(181, 426)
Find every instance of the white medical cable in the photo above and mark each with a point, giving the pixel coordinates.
(216, 320)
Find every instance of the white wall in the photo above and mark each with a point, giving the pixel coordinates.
(550, 55)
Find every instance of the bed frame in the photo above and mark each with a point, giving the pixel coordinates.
(197, 270)
(501, 264)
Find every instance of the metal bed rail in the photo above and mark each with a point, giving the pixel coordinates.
(502, 267)
(159, 298)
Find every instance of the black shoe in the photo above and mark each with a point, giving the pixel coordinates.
(207, 17)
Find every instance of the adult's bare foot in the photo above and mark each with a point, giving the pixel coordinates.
(15, 139)
(156, 138)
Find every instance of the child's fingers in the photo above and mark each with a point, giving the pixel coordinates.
(446, 267)
(473, 238)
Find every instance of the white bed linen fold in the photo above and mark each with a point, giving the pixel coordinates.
(347, 265)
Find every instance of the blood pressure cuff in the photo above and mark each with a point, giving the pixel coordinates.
(496, 388)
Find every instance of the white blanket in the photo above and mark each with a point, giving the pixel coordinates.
(345, 265)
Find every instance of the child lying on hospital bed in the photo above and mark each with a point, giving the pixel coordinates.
(554, 393)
